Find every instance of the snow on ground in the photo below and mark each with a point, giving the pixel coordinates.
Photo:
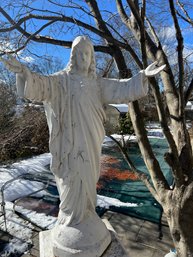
(22, 187)
(151, 132)
(34, 165)
(21, 229)
(118, 137)
(19, 188)
(40, 219)
(155, 133)
(48, 222)
(106, 202)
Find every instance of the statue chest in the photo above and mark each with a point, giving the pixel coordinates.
(84, 90)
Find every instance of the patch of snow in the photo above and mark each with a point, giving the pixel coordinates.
(118, 137)
(16, 247)
(153, 125)
(151, 133)
(155, 133)
(16, 226)
(106, 202)
(22, 187)
(34, 165)
(40, 219)
(19, 188)
(20, 229)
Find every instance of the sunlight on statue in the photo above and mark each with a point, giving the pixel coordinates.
(74, 100)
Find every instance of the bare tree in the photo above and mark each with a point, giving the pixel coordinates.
(28, 24)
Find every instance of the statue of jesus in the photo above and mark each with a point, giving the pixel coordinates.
(74, 100)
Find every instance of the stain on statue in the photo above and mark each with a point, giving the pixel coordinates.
(74, 101)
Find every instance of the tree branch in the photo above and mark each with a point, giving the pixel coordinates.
(154, 34)
(42, 39)
(180, 48)
(140, 174)
(143, 36)
(158, 179)
(153, 52)
(187, 17)
(111, 41)
(156, 91)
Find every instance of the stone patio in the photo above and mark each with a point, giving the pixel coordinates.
(139, 238)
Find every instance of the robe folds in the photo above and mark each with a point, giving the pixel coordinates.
(74, 108)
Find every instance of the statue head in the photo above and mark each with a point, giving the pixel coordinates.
(82, 57)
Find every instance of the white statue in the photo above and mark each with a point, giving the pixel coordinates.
(74, 102)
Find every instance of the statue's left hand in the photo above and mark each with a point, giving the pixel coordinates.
(13, 64)
(152, 70)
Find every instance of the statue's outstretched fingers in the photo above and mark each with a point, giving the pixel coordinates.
(12, 64)
(152, 70)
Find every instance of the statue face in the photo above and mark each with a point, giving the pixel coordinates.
(83, 57)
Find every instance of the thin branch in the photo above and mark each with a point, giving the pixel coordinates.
(143, 36)
(97, 16)
(154, 34)
(158, 179)
(114, 44)
(184, 18)
(41, 10)
(28, 39)
(78, 7)
(62, 18)
(50, 40)
(187, 17)
(108, 67)
(180, 48)
(121, 10)
(140, 174)
(154, 52)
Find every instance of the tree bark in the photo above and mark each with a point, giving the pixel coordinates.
(179, 212)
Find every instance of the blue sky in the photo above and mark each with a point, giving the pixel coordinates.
(166, 31)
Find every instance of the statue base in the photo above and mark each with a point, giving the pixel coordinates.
(89, 238)
(115, 249)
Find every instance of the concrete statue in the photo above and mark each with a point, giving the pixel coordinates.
(74, 100)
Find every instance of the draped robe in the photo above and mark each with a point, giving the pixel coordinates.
(75, 114)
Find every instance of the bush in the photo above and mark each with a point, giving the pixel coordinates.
(26, 135)
(7, 104)
(125, 124)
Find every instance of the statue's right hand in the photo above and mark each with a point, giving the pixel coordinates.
(13, 64)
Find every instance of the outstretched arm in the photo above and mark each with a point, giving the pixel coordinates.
(153, 69)
(128, 90)
(119, 91)
(21, 71)
(29, 85)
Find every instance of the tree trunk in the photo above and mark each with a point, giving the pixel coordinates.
(179, 212)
